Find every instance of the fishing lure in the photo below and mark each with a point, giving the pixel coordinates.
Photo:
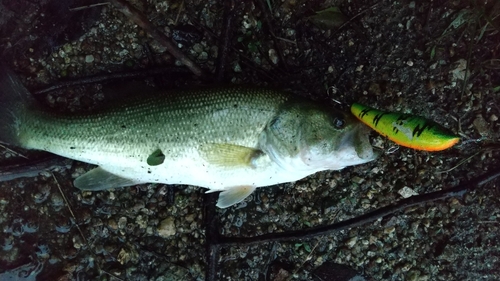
(405, 129)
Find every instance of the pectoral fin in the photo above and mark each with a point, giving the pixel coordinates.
(229, 155)
(100, 179)
(234, 195)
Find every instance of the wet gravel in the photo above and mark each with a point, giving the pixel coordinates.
(436, 59)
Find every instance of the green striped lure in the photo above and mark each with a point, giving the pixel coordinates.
(405, 129)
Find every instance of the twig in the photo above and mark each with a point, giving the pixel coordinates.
(33, 167)
(79, 229)
(309, 256)
(354, 17)
(267, 21)
(181, 7)
(286, 40)
(245, 60)
(459, 163)
(467, 65)
(213, 252)
(107, 77)
(211, 235)
(488, 148)
(363, 219)
(87, 6)
(13, 152)
(224, 43)
(70, 210)
(140, 19)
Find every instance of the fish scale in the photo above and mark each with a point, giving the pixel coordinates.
(231, 139)
(143, 125)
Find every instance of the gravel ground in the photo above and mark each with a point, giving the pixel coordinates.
(437, 59)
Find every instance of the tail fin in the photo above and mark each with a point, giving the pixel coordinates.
(14, 99)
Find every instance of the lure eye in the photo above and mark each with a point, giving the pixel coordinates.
(338, 122)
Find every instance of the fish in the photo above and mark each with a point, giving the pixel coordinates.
(406, 130)
(230, 139)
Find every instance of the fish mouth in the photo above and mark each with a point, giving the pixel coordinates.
(357, 147)
(353, 148)
(362, 144)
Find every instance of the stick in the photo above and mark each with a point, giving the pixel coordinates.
(33, 167)
(210, 222)
(457, 191)
(107, 77)
(80, 230)
(140, 19)
(88, 6)
(224, 43)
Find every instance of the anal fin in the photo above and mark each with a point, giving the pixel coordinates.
(234, 195)
(100, 179)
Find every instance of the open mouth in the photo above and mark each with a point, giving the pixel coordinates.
(356, 143)
(362, 144)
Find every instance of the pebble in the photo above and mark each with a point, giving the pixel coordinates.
(357, 180)
(351, 242)
(112, 224)
(122, 222)
(481, 125)
(406, 192)
(57, 201)
(89, 58)
(273, 56)
(389, 230)
(167, 227)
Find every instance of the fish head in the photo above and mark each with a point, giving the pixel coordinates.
(309, 137)
(332, 140)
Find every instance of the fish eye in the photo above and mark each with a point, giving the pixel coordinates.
(338, 122)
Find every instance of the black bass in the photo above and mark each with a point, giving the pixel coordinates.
(230, 139)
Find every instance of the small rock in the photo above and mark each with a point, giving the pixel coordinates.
(167, 227)
(406, 192)
(190, 218)
(357, 180)
(351, 242)
(123, 256)
(413, 275)
(406, 267)
(77, 242)
(389, 230)
(122, 222)
(459, 72)
(282, 275)
(89, 58)
(273, 56)
(481, 125)
(112, 224)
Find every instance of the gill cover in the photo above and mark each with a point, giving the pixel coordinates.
(306, 137)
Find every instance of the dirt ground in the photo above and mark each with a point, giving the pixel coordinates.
(438, 59)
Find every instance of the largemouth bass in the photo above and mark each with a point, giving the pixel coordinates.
(230, 139)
